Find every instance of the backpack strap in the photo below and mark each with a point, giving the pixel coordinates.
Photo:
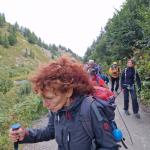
(125, 75)
(85, 114)
(98, 115)
(89, 102)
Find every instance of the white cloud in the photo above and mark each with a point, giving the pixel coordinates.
(71, 23)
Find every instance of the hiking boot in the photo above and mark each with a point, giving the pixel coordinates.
(137, 115)
(127, 112)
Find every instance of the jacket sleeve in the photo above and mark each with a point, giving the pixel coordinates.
(41, 134)
(138, 80)
(103, 137)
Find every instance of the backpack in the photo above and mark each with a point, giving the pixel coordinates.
(96, 68)
(104, 94)
(107, 108)
(97, 81)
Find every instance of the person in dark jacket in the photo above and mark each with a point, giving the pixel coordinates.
(128, 79)
(63, 86)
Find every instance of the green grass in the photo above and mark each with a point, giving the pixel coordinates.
(17, 102)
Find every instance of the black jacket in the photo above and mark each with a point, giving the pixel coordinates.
(66, 127)
(130, 76)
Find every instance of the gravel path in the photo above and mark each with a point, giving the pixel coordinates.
(139, 130)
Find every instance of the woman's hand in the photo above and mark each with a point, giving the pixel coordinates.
(17, 135)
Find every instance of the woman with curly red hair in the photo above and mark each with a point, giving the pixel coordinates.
(63, 86)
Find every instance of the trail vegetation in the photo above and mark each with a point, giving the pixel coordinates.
(21, 51)
(126, 35)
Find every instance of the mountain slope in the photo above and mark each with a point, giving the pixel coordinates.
(21, 51)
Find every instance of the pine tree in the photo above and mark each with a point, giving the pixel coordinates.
(16, 27)
(1, 39)
(12, 39)
(3, 15)
(39, 42)
(54, 47)
(2, 20)
(32, 38)
(6, 42)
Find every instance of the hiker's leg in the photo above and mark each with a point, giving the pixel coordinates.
(135, 104)
(126, 99)
(117, 84)
(112, 83)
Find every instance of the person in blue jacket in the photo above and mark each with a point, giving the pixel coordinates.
(129, 78)
(63, 86)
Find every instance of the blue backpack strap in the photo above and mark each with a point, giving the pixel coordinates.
(85, 113)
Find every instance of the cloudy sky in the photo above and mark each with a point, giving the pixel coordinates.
(71, 23)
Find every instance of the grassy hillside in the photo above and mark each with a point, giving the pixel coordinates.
(17, 102)
(21, 51)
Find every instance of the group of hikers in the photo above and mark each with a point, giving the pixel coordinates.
(78, 119)
(127, 79)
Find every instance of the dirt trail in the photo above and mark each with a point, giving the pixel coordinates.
(139, 130)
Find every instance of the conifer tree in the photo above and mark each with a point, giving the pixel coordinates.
(6, 42)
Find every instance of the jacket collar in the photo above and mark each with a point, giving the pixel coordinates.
(76, 101)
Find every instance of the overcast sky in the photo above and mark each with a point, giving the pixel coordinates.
(71, 23)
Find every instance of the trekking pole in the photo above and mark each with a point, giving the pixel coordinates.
(125, 125)
(118, 93)
(123, 143)
(15, 127)
(123, 119)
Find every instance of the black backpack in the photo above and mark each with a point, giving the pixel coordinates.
(107, 113)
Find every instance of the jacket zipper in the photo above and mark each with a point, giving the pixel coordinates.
(68, 140)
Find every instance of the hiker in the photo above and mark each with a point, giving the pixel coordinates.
(93, 65)
(114, 72)
(96, 79)
(129, 78)
(95, 70)
(64, 87)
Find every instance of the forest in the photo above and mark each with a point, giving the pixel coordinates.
(126, 35)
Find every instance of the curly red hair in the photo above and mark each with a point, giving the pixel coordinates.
(61, 75)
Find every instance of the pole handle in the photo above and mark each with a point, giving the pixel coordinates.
(16, 127)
